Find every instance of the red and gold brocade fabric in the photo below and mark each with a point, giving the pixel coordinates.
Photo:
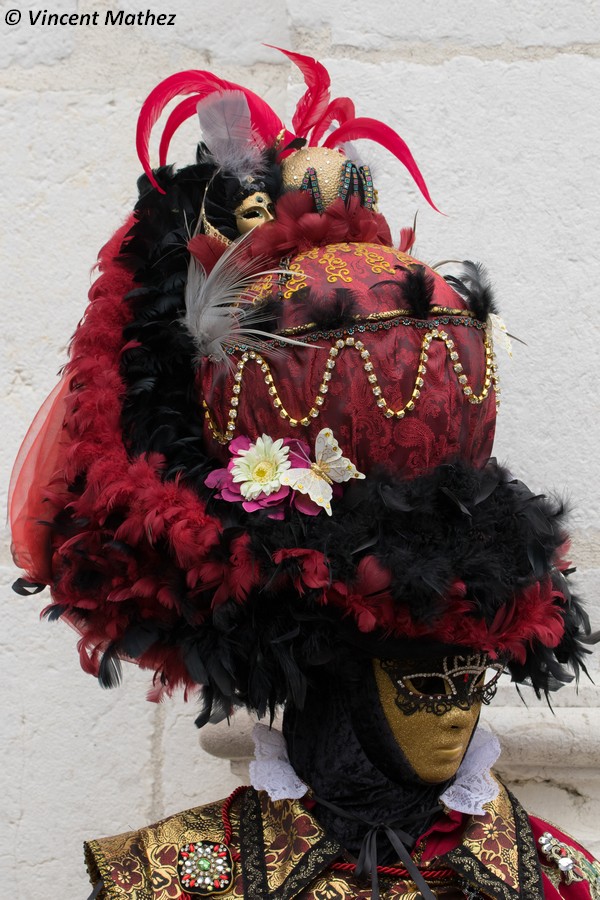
(280, 851)
(384, 350)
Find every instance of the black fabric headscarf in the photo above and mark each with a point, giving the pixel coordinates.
(341, 745)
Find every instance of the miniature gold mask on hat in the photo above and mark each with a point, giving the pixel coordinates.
(253, 211)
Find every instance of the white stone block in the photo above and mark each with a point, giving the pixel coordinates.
(29, 41)
(448, 25)
(233, 33)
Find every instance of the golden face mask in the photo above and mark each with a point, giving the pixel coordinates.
(253, 211)
(432, 711)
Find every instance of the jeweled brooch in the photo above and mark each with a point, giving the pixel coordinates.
(572, 864)
(205, 867)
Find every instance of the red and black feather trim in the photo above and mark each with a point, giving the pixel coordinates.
(148, 566)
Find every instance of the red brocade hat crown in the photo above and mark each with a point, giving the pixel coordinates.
(272, 441)
(398, 391)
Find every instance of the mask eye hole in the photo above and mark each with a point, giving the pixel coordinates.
(427, 685)
(252, 214)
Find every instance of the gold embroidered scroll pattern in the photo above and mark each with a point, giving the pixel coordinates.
(331, 257)
(490, 381)
(374, 257)
(261, 288)
(376, 262)
(335, 267)
(297, 280)
(294, 282)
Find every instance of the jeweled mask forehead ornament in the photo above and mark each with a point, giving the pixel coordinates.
(441, 684)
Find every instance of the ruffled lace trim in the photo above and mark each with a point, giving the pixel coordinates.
(474, 784)
(272, 772)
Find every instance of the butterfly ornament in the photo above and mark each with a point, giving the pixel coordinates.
(330, 467)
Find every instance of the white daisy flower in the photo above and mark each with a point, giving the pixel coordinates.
(258, 469)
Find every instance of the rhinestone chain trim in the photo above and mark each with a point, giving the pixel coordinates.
(490, 381)
(465, 315)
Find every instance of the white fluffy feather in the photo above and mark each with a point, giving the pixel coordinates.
(220, 310)
(226, 126)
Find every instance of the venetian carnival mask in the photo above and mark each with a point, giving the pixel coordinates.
(432, 709)
(253, 211)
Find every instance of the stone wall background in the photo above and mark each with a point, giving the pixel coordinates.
(498, 102)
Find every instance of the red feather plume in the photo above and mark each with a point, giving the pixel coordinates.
(199, 84)
(180, 114)
(191, 81)
(373, 130)
(340, 110)
(312, 106)
(314, 113)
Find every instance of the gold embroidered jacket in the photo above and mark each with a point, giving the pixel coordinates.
(280, 851)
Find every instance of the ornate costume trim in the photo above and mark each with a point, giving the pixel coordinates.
(282, 847)
(530, 873)
(434, 334)
(450, 317)
(498, 852)
(251, 848)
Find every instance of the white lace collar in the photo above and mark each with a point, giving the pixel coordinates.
(272, 772)
(474, 785)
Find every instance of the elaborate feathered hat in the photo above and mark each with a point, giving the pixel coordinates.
(270, 443)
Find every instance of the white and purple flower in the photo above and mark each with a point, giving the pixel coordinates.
(268, 474)
(253, 476)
